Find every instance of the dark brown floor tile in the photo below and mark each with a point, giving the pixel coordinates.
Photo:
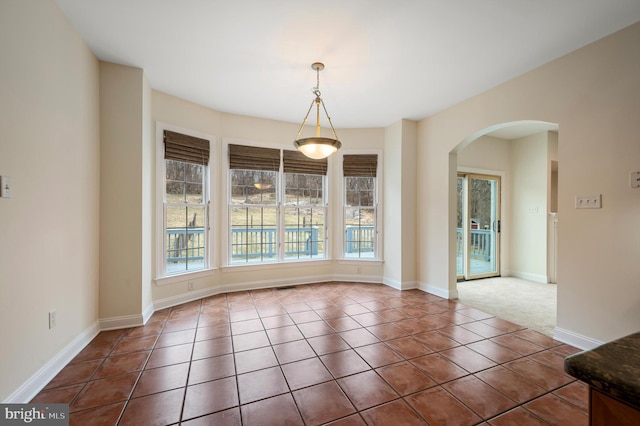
(315, 328)
(247, 326)
(461, 335)
(95, 350)
(387, 331)
(322, 403)
(119, 364)
(517, 417)
(482, 329)
(296, 307)
(368, 319)
(105, 391)
(557, 411)
(375, 305)
(321, 303)
(494, 351)
(269, 310)
(479, 396)
(209, 397)
(405, 378)
(277, 321)
(276, 411)
(255, 359)
(284, 334)
(516, 344)
(243, 307)
(439, 368)
(513, 385)
(539, 374)
(344, 363)
(358, 337)
(434, 322)
(74, 373)
(149, 329)
(100, 416)
(170, 355)
(576, 393)
(306, 316)
(180, 324)
(409, 347)
(438, 407)
(213, 368)
(161, 379)
(468, 359)
(413, 311)
(243, 315)
(230, 417)
(378, 354)
(550, 359)
(343, 324)
(355, 309)
(209, 319)
(456, 317)
(248, 341)
(135, 344)
(157, 409)
(330, 312)
(436, 340)
(327, 344)
(392, 314)
(261, 384)
(305, 373)
(475, 313)
(367, 389)
(565, 350)
(176, 338)
(396, 412)
(213, 332)
(293, 351)
(212, 347)
(58, 395)
(537, 338)
(504, 325)
(352, 420)
(410, 325)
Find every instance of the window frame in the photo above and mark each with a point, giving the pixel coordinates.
(378, 255)
(281, 259)
(162, 276)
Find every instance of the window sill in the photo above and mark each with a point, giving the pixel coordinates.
(178, 278)
(349, 261)
(274, 265)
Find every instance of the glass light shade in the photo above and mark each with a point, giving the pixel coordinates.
(317, 147)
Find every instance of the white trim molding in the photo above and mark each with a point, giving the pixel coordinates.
(44, 375)
(575, 339)
(438, 291)
(125, 321)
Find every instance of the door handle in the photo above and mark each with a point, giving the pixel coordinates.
(496, 226)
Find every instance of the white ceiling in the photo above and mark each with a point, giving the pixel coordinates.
(385, 59)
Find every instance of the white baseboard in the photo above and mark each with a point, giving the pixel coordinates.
(438, 291)
(400, 285)
(125, 321)
(530, 277)
(44, 375)
(575, 339)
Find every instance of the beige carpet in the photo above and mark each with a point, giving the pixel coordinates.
(526, 303)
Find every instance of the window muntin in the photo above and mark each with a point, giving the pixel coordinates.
(185, 217)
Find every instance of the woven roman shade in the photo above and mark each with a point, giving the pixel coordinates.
(254, 158)
(185, 148)
(297, 162)
(365, 165)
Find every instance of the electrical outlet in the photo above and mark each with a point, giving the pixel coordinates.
(52, 320)
(190, 285)
(589, 201)
(634, 179)
(6, 190)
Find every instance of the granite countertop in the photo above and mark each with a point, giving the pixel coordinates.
(613, 368)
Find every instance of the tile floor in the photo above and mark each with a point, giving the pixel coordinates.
(346, 353)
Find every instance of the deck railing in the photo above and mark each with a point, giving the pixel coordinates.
(260, 242)
(359, 239)
(480, 244)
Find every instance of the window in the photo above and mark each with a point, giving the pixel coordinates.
(276, 212)
(185, 203)
(360, 205)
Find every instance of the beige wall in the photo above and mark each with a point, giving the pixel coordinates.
(593, 95)
(49, 229)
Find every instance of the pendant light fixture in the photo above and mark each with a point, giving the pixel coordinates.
(317, 147)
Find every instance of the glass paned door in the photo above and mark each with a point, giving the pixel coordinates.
(478, 250)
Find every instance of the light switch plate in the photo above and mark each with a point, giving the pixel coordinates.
(5, 187)
(589, 201)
